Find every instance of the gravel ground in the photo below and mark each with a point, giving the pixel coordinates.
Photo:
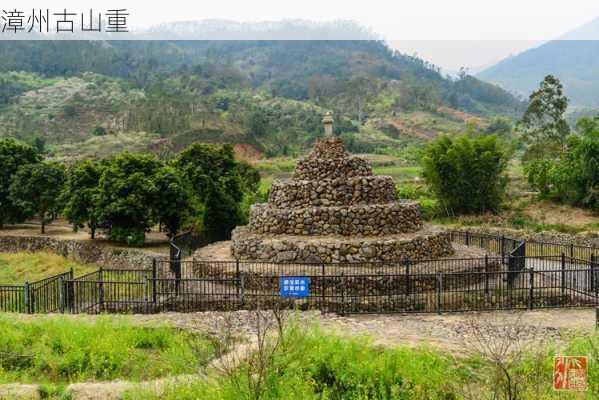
(446, 331)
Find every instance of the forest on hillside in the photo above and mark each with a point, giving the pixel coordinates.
(163, 95)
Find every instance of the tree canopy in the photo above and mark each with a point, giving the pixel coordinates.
(13, 155)
(36, 189)
(544, 124)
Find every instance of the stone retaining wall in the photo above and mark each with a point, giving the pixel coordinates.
(581, 239)
(332, 147)
(82, 251)
(335, 192)
(250, 246)
(363, 220)
(331, 168)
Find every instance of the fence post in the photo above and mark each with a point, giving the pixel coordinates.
(407, 277)
(101, 291)
(439, 291)
(467, 238)
(563, 277)
(531, 282)
(323, 288)
(486, 274)
(502, 249)
(342, 293)
(154, 282)
(242, 290)
(571, 250)
(27, 298)
(61, 295)
(593, 273)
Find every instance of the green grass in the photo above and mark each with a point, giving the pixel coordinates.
(17, 268)
(62, 350)
(399, 173)
(314, 365)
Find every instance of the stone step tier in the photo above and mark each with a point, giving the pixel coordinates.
(357, 220)
(331, 168)
(424, 244)
(291, 193)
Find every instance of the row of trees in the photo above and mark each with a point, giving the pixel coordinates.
(203, 188)
(467, 173)
(563, 165)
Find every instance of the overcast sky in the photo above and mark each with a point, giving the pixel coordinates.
(507, 26)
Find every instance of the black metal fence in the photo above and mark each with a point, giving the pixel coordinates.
(515, 275)
(503, 245)
(43, 296)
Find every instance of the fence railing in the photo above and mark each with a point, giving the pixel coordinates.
(504, 245)
(431, 286)
(514, 275)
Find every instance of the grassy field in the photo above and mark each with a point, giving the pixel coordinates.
(17, 268)
(313, 365)
(59, 350)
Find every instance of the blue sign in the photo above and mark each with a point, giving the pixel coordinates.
(294, 286)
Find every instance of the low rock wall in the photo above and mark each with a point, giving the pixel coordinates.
(250, 246)
(363, 220)
(82, 251)
(335, 192)
(331, 168)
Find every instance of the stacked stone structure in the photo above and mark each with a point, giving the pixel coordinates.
(334, 209)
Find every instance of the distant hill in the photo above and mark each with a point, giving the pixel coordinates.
(572, 58)
(267, 94)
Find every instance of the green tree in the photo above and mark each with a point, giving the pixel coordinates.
(36, 188)
(545, 127)
(250, 177)
(202, 164)
(12, 155)
(574, 177)
(127, 192)
(466, 174)
(221, 213)
(80, 194)
(174, 202)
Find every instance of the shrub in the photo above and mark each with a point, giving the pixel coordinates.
(539, 177)
(574, 177)
(466, 173)
(99, 131)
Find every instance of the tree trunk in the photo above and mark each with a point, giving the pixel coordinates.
(93, 232)
(43, 225)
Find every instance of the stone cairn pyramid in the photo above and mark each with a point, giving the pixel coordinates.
(334, 209)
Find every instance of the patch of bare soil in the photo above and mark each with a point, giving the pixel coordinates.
(20, 391)
(551, 213)
(115, 390)
(442, 331)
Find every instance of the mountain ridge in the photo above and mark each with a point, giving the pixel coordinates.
(573, 58)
